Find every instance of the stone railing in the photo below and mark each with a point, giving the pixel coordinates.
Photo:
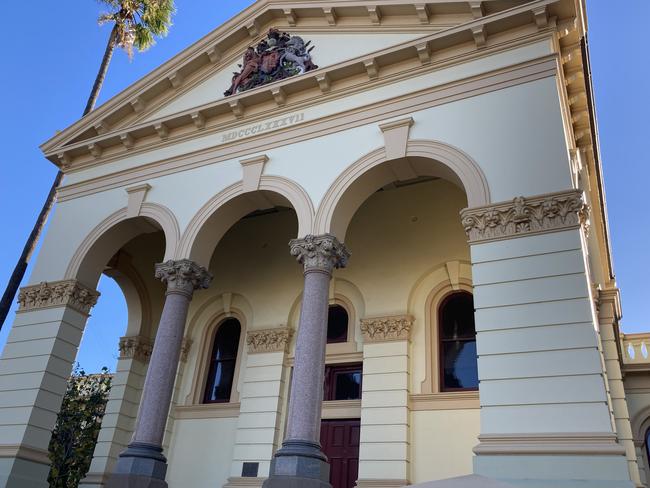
(636, 349)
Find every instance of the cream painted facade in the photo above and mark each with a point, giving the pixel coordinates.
(449, 146)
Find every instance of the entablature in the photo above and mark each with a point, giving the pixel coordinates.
(479, 36)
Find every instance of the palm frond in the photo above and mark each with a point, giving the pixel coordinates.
(138, 22)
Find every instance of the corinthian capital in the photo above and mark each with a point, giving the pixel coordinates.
(323, 252)
(69, 293)
(183, 276)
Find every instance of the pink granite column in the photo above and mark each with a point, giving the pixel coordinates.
(300, 463)
(142, 464)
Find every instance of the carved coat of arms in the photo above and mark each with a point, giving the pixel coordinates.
(278, 56)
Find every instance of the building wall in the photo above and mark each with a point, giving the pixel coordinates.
(397, 238)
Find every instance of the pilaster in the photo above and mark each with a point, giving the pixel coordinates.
(544, 408)
(264, 386)
(384, 451)
(300, 463)
(34, 370)
(121, 410)
(609, 314)
(142, 463)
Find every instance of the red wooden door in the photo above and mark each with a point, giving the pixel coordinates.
(340, 441)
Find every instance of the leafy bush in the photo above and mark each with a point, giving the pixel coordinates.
(77, 427)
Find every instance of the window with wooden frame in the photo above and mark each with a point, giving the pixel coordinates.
(457, 343)
(343, 381)
(223, 361)
(337, 324)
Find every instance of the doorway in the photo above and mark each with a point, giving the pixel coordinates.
(340, 442)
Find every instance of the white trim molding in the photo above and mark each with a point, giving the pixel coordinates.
(580, 443)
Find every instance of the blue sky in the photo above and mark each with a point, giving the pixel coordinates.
(48, 72)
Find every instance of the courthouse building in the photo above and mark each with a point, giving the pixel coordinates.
(362, 243)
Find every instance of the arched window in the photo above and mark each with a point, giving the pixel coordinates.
(458, 364)
(223, 360)
(647, 450)
(337, 324)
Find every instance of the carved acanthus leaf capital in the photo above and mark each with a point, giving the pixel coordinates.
(136, 347)
(522, 216)
(68, 293)
(183, 276)
(323, 252)
(391, 328)
(268, 340)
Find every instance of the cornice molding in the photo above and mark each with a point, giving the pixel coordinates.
(388, 328)
(60, 149)
(588, 443)
(268, 340)
(66, 293)
(399, 106)
(524, 216)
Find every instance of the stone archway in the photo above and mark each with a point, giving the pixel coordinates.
(371, 172)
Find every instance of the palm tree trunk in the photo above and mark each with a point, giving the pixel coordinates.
(19, 271)
(103, 69)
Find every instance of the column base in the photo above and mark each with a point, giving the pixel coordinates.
(299, 464)
(22, 473)
(141, 465)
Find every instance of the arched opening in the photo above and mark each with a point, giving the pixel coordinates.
(337, 324)
(222, 362)
(118, 258)
(457, 343)
(400, 219)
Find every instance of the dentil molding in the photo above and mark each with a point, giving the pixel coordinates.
(66, 293)
(382, 329)
(268, 340)
(525, 215)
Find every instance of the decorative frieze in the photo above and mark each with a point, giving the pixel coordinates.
(140, 348)
(183, 276)
(67, 293)
(522, 216)
(381, 329)
(136, 347)
(268, 340)
(323, 252)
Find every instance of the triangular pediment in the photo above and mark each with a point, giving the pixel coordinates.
(349, 39)
(329, 50)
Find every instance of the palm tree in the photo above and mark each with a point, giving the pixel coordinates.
(136, 24)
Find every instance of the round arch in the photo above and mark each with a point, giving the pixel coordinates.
(221, 212)
(114, 232)
(366, 175)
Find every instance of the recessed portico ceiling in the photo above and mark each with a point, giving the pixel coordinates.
(128, 120)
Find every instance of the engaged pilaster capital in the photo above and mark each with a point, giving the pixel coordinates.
(183, 276)
(526, 215)
(383, 329)
(268, 340)
(136, 347)
(66, 293)
(322, 253)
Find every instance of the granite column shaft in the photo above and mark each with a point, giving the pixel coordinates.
(142, 464)
(300, 463)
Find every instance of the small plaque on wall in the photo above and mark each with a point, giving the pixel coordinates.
(249, 470)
